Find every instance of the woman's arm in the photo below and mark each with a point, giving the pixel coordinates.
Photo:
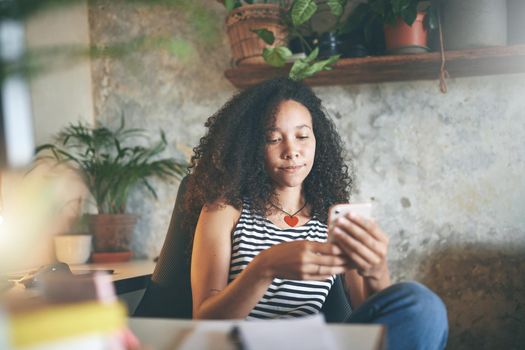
(210, 264)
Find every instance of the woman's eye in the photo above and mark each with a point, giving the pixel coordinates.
(303, 137)
(272, 140)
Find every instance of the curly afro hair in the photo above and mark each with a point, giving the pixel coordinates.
(228, 164)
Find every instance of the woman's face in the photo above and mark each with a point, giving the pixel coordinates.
(290, 145)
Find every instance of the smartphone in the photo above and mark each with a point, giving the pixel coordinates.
(338, 210)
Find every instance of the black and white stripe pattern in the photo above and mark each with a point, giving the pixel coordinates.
(284, 298)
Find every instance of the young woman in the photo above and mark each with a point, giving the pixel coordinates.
(263, 179)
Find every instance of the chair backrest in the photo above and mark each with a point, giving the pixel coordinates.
(168, 294)
(336, 307)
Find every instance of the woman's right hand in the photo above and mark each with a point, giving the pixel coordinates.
(301, 260)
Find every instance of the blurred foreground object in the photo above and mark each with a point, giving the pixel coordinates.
(35, 207)
(72, 313)
(16, 130)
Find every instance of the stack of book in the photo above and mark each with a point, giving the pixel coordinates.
(72, 313)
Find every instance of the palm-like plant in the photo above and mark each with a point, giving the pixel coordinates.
(109, 164)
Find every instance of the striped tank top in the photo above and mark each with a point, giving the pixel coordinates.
(284, 298)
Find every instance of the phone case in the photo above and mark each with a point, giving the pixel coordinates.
(338, 210)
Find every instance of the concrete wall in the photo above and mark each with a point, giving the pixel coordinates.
(445, 171)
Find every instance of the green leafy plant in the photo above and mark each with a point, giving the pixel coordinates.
(298, 13)
(390, 10)
(112, 163)
(383, 12)
(302, 12)
(368, 19)
(306, 67)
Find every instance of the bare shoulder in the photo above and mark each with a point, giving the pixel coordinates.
(219, 214)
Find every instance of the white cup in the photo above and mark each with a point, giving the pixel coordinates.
(73, 249)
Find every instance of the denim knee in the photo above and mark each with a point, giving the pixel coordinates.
(422, 299)
(424, 306)
(415, 317)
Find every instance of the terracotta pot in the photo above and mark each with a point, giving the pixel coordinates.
(402, 38)
(112, 232)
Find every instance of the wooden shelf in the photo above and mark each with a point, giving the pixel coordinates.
(376, 69)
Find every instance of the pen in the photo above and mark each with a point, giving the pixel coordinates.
(236, 339)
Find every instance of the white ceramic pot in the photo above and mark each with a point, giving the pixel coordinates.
(73, 249)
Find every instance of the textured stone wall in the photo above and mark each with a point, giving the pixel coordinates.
(446, 174)
(445, 171)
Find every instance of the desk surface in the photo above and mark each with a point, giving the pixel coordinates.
(122, 270)
(127, 276)
(168, 334)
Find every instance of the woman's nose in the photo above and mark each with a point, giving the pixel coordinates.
(290, 151)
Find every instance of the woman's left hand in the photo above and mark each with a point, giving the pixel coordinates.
(364, 244)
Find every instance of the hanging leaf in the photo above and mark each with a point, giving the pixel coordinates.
(312, 56)
(336, 7)
(276, 56)
(302, 11)
(266, 35)
(302, 69)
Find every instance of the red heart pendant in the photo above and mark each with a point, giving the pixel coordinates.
(291, 220)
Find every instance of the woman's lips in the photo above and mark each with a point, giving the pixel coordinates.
(291, 168)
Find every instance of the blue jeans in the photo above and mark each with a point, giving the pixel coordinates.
(414, 316)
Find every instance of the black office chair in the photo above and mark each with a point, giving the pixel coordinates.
(168, 294)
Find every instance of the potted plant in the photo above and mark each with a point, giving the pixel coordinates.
(405, 24)
(112, 163)
(244, 19)
(296, 15)
(259, 31)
